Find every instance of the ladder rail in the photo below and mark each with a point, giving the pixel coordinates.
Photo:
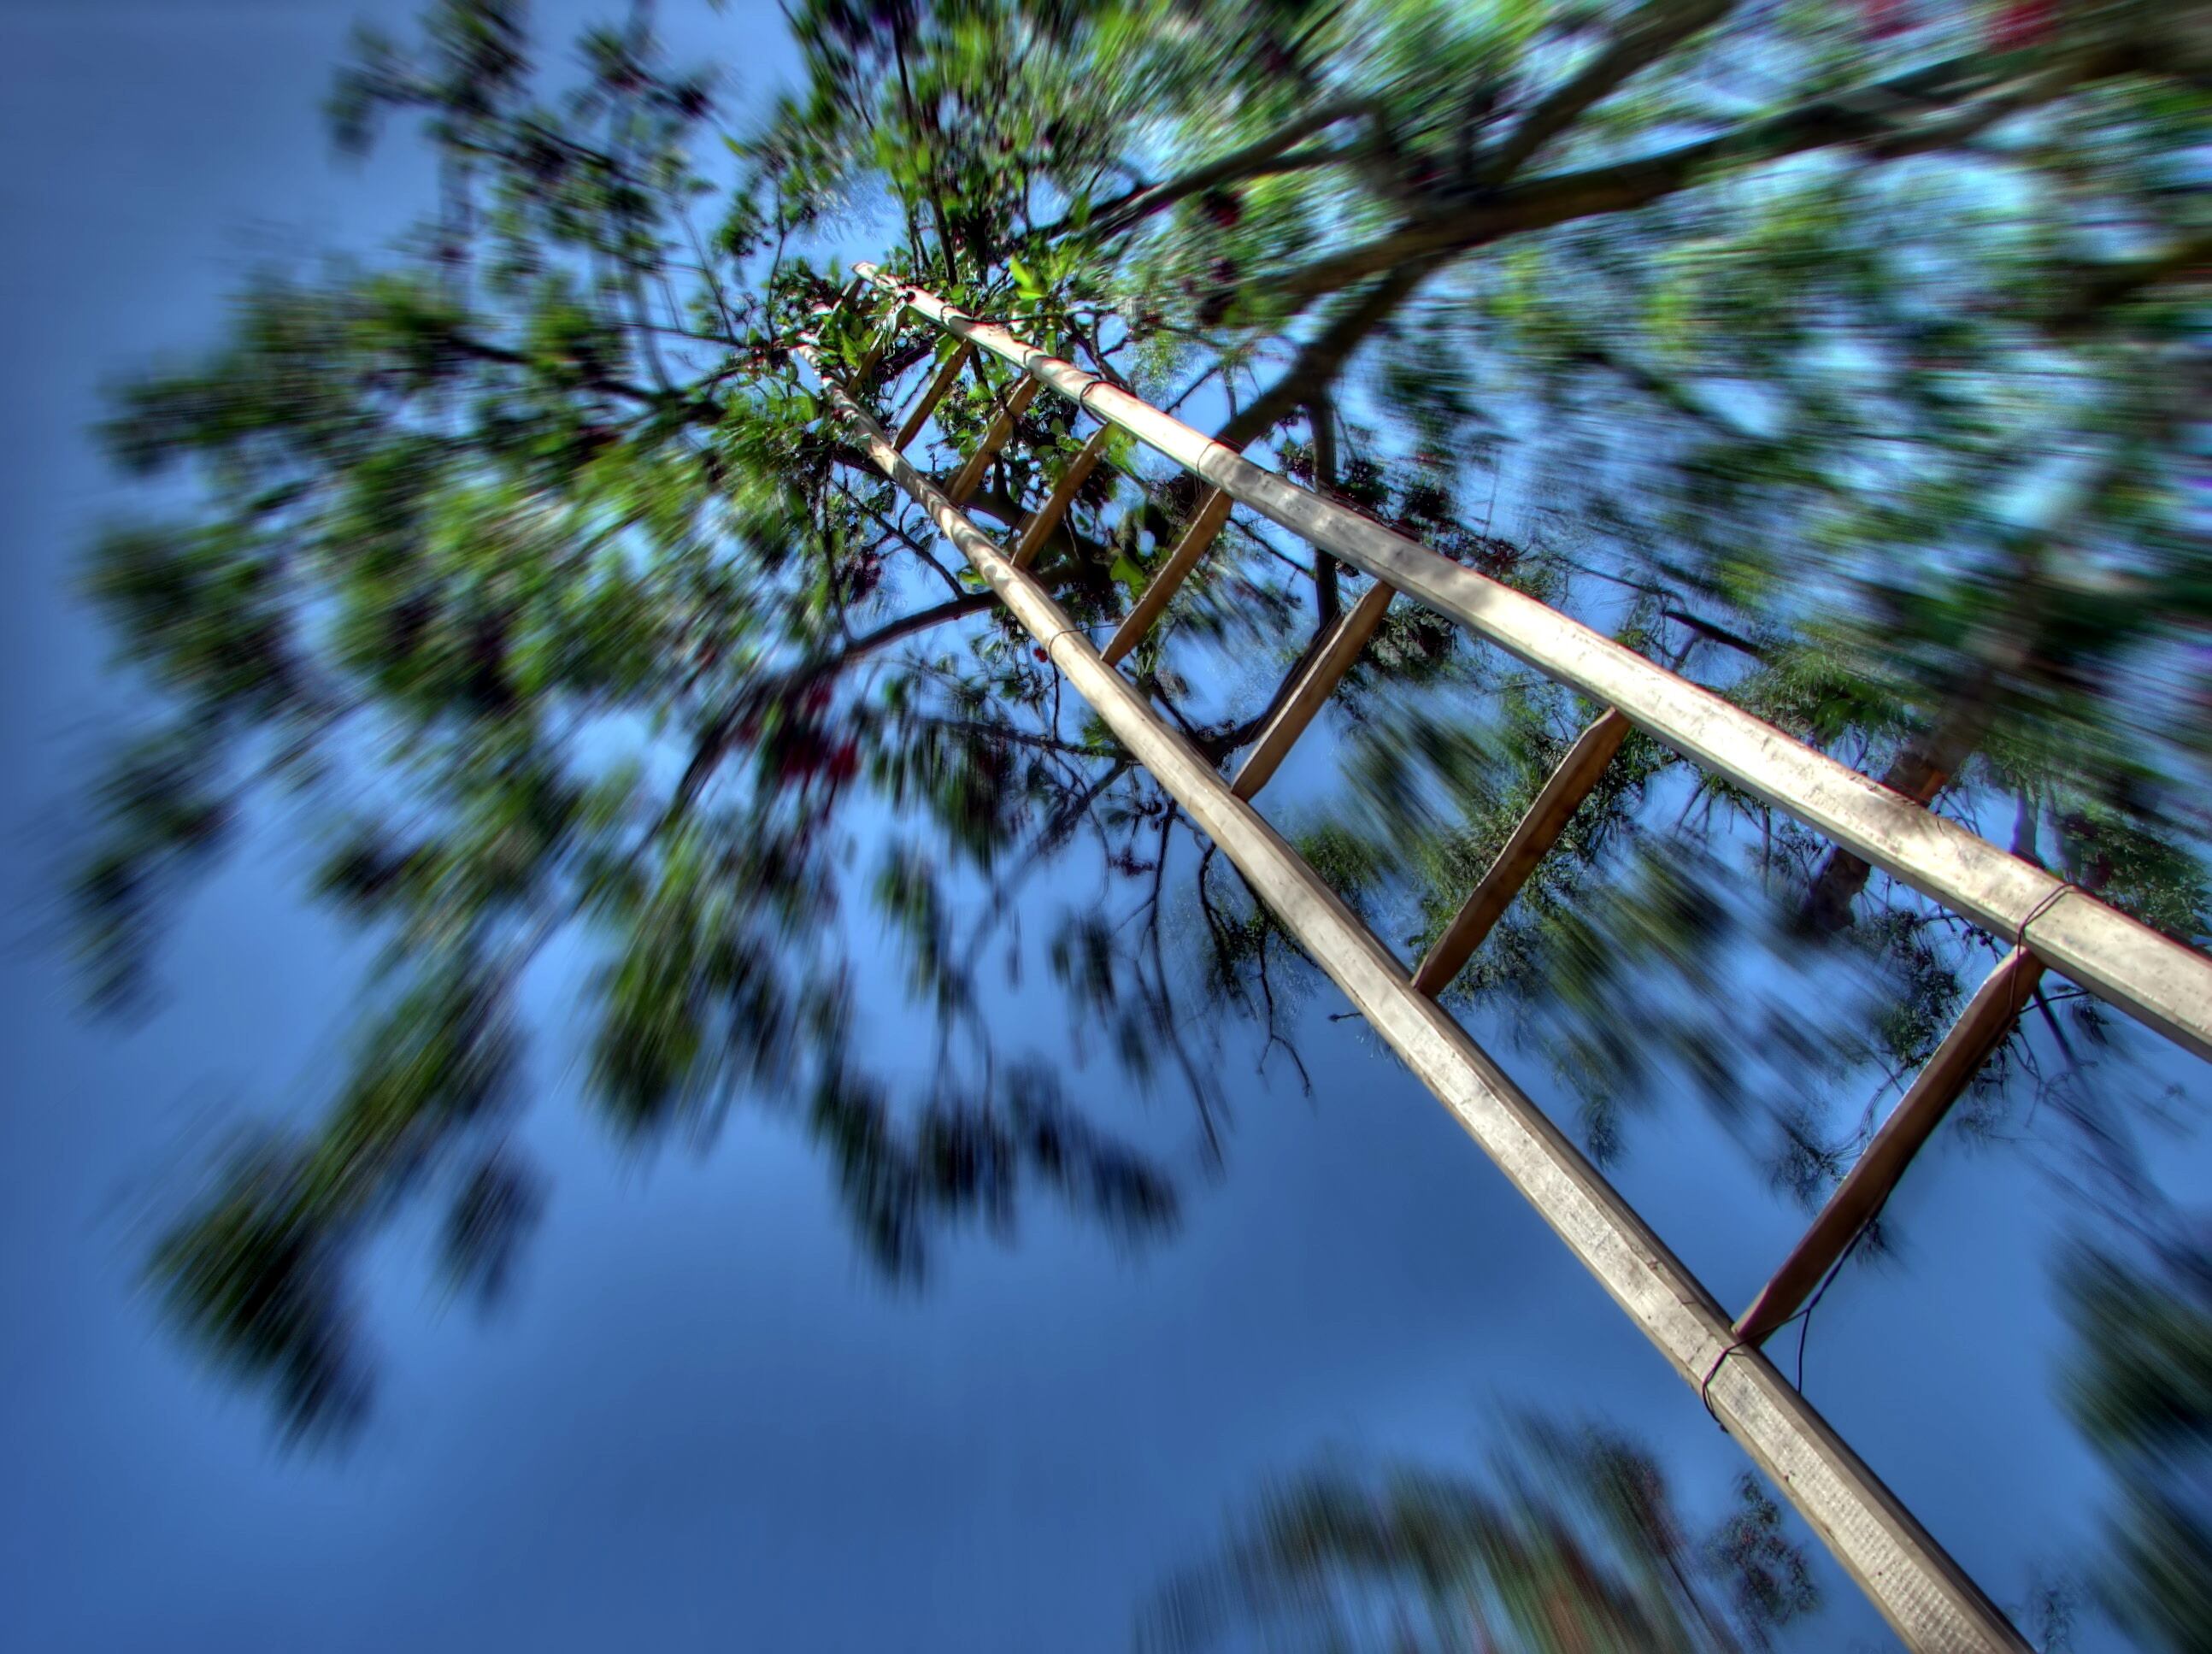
(1925, 1594)
(2162, 983)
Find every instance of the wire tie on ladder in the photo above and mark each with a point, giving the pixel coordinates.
(2049, 901)
(1063, 632)
(1704, 1389)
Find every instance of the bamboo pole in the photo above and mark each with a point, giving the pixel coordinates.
(1038, 529)
(1533, 836)
(1984, 1024)
(1212, 513)
(1925, 1595)
(940, 383)
(1002, 428)
(2161, 983)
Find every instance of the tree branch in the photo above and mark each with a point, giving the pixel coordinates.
(2099, 287)
(1655, 29)
(698, 411)
(1859, 117)
(989, 732)
(1262, 157)
(904, 538)
(1327, 602)
(1719, 634)
(1314, 370)
(713, 743)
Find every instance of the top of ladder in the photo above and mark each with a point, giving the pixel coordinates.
(2161, 983)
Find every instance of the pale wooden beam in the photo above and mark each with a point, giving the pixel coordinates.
(1002, 428)
(1562, 793)
(1212, 513)
(940, 383)
(1986, 1020)
(1038, 529)
(1314, 688)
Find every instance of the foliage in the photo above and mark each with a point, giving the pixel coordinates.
(1840, 360)
(2140, 1383)
(1573, 1543)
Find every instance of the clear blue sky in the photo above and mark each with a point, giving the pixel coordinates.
(700, 1422)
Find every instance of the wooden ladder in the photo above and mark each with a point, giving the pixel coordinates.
(1925, 1594)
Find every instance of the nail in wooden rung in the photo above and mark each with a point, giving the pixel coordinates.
(1989, 1016)
(1038, 529)
(1212, 513)
(1315, 687)
(1002, 428)
(1532, 839)
(941, 382)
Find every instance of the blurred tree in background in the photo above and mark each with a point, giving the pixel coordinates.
(1847, 358)
(1573, 1544)
(2141, 1386)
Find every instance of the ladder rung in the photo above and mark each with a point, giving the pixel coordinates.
(940, 383)
(1038, 529)
(1989, 1016)
(1312, 688)
(1015, 404)
(1532, 838)
(1212, 513)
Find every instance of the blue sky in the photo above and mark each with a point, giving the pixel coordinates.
(699, 1421)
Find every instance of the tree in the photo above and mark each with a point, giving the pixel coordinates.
(2140, 1384)
(1573, 1543)
(1839, 356)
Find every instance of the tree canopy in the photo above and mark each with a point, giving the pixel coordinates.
(1845, 358)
